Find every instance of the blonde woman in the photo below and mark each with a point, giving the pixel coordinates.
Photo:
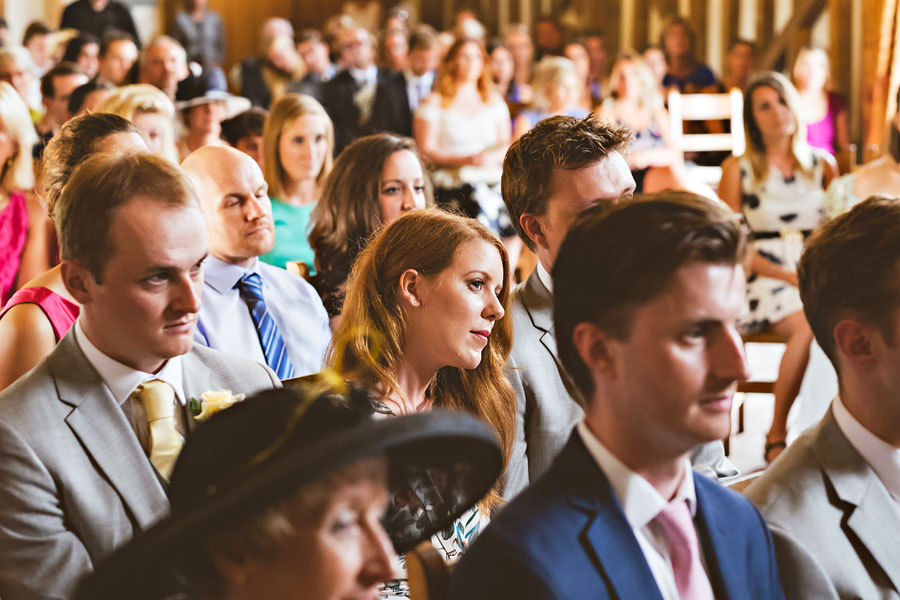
(25, 232)
(638, 105)
(778, 185)
(557, 90)
(298, 143)
(152, 113)
(423, 327)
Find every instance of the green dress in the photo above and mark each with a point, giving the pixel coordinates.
(292, 225)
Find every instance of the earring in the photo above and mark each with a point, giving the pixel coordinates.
(414, 301)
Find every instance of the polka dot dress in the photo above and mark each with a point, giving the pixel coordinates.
(786, 206)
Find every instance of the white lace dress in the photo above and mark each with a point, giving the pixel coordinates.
(464, 134)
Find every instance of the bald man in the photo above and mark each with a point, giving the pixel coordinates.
(251, 309)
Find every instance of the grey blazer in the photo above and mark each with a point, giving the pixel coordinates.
(74, 481)
(834, 523)
(547, 408)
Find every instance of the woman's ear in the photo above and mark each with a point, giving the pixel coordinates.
(410, 288)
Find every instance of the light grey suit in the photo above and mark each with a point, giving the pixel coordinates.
(547, 408)
(834, 524)
(74, 481)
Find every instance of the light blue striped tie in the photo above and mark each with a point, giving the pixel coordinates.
(269, 336)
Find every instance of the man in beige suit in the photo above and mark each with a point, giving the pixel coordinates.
(81, 468)
(550, 175)
(833, 497)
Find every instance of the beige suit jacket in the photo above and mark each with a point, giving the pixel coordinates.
(836, 528)
(74, 481)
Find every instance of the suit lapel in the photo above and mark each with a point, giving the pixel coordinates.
(723, 564)
(607, 538)
(538, 303)
(103, 430)
(871, 513)
(196, 379)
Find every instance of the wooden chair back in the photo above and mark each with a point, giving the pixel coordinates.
(707, 107)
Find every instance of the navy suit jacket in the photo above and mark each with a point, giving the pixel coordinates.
(567, 537)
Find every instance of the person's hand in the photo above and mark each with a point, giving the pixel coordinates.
(477, 160)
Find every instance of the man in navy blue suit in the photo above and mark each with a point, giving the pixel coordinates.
(647, 298)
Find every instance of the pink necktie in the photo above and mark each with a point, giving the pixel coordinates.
(677, 527)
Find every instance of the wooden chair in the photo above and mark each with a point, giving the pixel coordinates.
(707, 107)
(754, 385)
(427, 573)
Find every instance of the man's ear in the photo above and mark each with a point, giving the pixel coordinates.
(595, 347)
(410, 288)
(76, 278)
(532, 227)
(853, 340)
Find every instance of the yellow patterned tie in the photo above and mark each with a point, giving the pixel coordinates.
(158, 399)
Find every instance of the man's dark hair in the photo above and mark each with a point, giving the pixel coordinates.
(77, 139)
(850, 269)
(423, 37)
(250, 122)
(34, 29)
(618, 257)
(311, 35)
(112, 36)
(48, 89)
(73, 48)
(554, 143)
(76, 100)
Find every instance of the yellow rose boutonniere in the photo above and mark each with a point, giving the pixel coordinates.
(212, 402)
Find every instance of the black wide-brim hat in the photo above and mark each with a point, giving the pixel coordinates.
(268, 447)
(196, 90)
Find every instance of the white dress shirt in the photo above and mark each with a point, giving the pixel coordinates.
(641, 503)
(121, 379)
(881, 456)
(365, 77)
(545, 277)
(418, 88)
(225, 322)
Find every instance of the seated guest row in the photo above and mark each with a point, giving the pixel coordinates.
(423, 326)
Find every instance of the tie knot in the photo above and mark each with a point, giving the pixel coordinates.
(158, 399)
(676, 521)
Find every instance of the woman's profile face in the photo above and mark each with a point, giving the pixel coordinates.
(469, 62)
(579, 55)
(89, 59)
(629, 83)
(152, 126)
(302, 147)
(8, 145)
(402, 186)
(811, 70)
(207, 117)
(677, 41)
(502, 65)
(337, 550)
(458, 308)
(771, 113)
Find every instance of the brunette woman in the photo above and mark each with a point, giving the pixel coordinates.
(375, 180)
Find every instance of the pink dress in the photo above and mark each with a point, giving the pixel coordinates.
(821, 133)
(59, 311)
(13, 232)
